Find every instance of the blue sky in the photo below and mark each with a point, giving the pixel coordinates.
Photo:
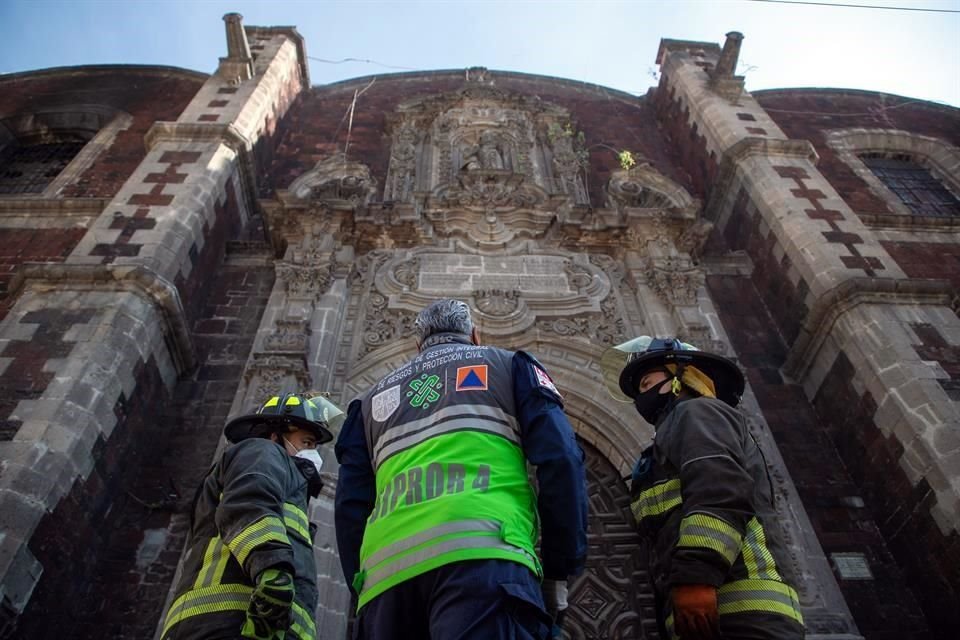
(611, 43)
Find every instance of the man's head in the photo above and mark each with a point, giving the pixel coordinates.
(280, 416)
(444, 316)
(294, 441)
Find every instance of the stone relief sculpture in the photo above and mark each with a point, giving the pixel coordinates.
(485, 155)
(337, 182)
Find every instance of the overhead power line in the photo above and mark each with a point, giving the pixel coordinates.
(387, 66)
(857, 6)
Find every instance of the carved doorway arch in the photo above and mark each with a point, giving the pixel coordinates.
(612, 599)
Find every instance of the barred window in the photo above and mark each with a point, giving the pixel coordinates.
(28, 166)
(913, 183)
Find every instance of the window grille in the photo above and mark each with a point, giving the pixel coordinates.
(913, 183)
(29, 168)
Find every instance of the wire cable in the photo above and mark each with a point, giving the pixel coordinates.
(857, 6)
(386, 66)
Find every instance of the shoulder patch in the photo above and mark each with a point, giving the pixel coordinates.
(385, 403)
(543, 379)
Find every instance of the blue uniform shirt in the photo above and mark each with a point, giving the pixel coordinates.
(548, 442)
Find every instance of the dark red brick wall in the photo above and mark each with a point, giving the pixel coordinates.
(927, 259)
(315, 128)
(145, 478)
(809, 114)
(930, 560)
(146, 93)
(32, 245)
(688, 147)
(833, 455)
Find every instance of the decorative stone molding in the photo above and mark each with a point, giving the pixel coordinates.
(604, 328)
(497, 302)
(290, 336)
(383, 325)
(675, 279)
(270, 374)
(937, 156)
(336, 182)
(644, 191)
(304, 280)
(140, 280)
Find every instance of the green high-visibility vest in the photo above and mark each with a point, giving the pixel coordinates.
(451, 476)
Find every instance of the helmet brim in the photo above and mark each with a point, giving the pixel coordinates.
(726, 375)
(257, 425)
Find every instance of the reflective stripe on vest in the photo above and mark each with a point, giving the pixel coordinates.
(296, 520)
(657, 500)
(762, 596)
(391, 560)
(224, 597)
(266, 529)
(703, 531)
(756, 556)
(465, 417)
(301, 623)
(214, 562)
(752, 596)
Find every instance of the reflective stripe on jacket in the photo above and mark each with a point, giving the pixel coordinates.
(250, 515)
(451, 477)
(702, 495)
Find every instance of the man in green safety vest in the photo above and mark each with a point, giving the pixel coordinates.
(248, 570)
(437, 522)
(702, 497)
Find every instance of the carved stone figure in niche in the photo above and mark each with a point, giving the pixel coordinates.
(485, 155)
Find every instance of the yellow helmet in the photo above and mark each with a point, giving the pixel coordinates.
(285, 413)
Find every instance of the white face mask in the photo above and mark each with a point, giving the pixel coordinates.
(313, 456)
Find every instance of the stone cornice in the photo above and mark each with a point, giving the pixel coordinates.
(228, 134)
(748, 148)
(138, 280)
(51, 207)
(294, 36)
(821, 319)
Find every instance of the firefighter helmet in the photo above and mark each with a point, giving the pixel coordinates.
(287, 412)
(625, 364)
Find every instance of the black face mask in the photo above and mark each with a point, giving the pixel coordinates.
(651, 402)
(310, 473)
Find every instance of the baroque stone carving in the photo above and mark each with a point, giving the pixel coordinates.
(675, 279)
(401, 175)
(290, 335)
(407, 273)
(268, 374)
(497, 302)
(337, 183)
(606, 327)
(304, 280)
(578, 276)
(643, 188)
(383, 325)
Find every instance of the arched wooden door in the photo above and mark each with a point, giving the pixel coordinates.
(612, 599)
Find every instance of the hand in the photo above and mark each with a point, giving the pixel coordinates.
(695, 614)
(555, 599)
(269, 613)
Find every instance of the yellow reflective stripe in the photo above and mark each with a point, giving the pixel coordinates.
(296, 519)
(756, 556)
(657, 500)
(214, 563)
(268, 529)
(763, 596)
(669, 625)
(301, 623)
(292, 400)
(700, 530)
(225, 597)
(272, 402)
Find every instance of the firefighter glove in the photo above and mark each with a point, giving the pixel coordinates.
(695, 614)
(269, 612)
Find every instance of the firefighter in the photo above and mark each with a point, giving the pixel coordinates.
(436, 519)
(702, 497)
(249, 569)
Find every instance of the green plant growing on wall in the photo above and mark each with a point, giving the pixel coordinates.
(578, 142)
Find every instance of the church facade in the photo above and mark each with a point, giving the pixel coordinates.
(175, 247)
